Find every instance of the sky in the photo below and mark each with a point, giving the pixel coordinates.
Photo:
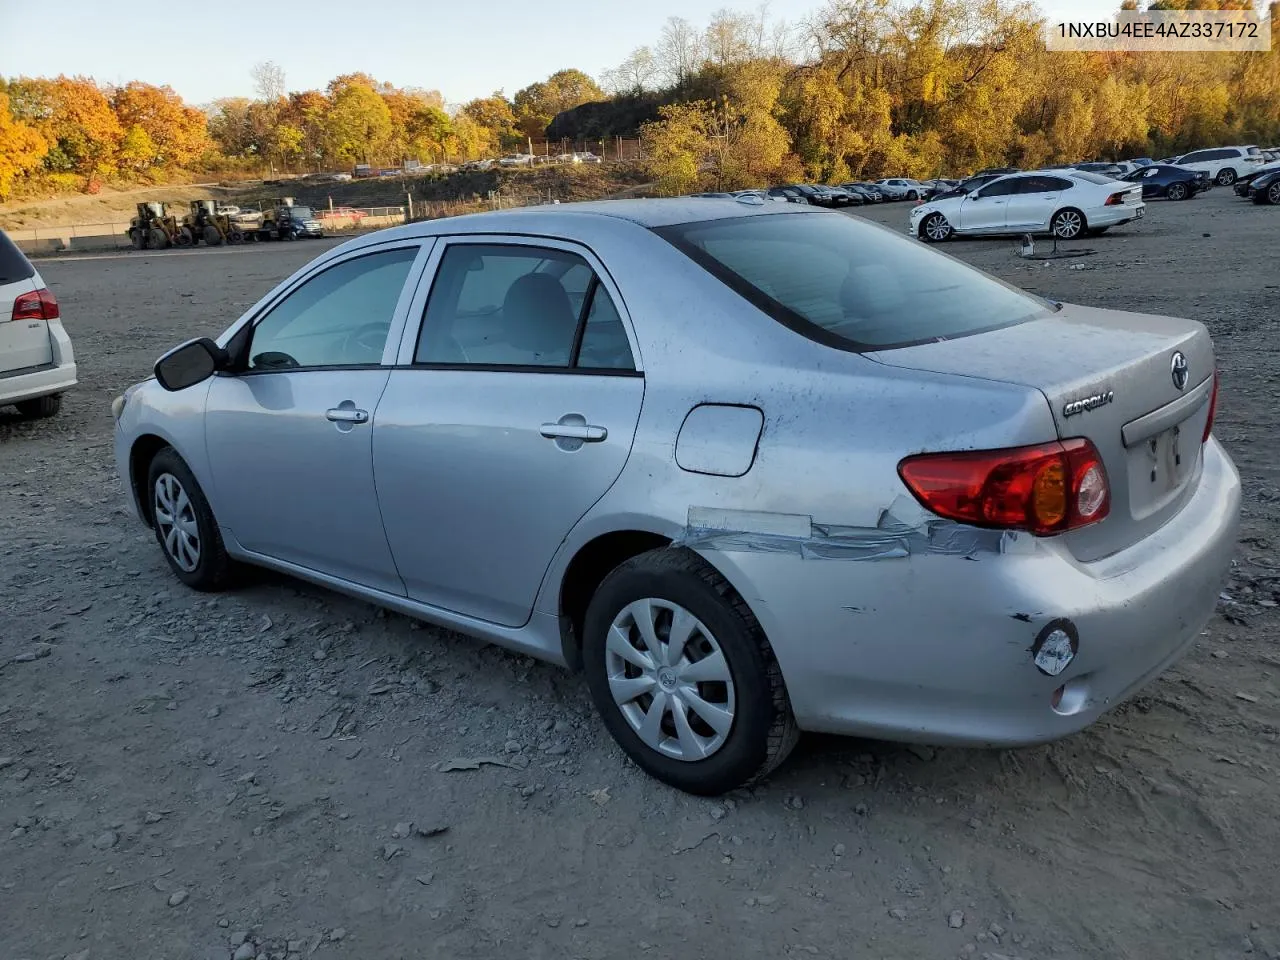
(463, 49)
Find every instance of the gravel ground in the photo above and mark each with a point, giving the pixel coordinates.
(275, 771)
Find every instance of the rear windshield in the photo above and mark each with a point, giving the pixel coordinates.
(1088, 177)
(14, 265)
(848, 283)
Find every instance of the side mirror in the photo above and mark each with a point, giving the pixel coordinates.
(975, 195)
(189, 364)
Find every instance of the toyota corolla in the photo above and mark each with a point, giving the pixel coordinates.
(738, 462)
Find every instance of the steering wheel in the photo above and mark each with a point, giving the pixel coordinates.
(365, 344)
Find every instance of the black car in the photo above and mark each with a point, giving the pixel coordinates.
(790, 194)
(1245, 181)
(967, 186)
(869, 192)
(996, 171)
(297, 222)
(937, 187)
(1169, 181)
(1265, 187)
(822, 196)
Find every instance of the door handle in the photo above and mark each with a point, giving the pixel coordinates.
(573, 431)
(347, 415)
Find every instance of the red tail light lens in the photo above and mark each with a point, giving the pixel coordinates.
(1044, 489)
(38, 305)
(1114, 200)
(1213, 409)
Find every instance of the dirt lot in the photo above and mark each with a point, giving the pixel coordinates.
(182, 774)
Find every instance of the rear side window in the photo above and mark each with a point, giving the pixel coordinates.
(848, 283)
(14, 265)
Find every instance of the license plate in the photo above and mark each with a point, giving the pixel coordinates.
(1140, 212)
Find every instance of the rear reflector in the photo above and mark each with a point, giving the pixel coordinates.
(1213, 409)
(1044, 489)
(38, 305)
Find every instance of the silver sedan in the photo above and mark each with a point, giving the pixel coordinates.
(736, 461)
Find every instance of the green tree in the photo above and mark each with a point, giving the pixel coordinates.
(358, 125)
(536, 105)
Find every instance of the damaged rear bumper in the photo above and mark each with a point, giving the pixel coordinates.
(923, 631)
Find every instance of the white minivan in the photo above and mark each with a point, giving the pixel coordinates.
(36, 362)
(1224, 165)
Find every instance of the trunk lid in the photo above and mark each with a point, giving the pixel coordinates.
(23, 343)
(1108, 376)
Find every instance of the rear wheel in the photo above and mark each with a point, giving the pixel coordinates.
(1273, 194)
(212, 236)
(1226, 177)
(1067, 224)
(137, 238)
(683, 676)
(235, 236)
(159, 239)
(935, 228)
(184, 524)
(1177, 191)
(39, 408)
(913, 195)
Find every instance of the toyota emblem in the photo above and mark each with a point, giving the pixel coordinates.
(1178, 370)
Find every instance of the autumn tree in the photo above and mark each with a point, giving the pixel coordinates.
(74, 118)
(495, 121)
(21, 147)
(178, 133)
(536, 105)
(358, 124)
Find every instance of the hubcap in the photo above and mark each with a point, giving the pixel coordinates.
(937, 227)
(670, 680)
(176, 520)
(1068, 224)
(1273, 193)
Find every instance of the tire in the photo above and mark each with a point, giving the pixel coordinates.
(1226, 177)
(185, 238)
(159, 239)
(935, 228)
(1272, 195)
(235, 237)
(1067, 224)
(1177, 191)
(212, 569)
(40, 408)
(137, 238)
(212, 236)
(760, 730)
(913, 195)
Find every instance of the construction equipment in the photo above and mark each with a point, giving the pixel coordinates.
(274, 211)
(205, 223)
(154, 228)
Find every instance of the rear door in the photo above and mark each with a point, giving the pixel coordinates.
(509, 414)
(24, 333)
(1033, 203)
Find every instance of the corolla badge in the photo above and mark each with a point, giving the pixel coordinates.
(1179, 370)
(1091, 402)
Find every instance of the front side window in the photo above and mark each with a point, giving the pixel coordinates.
(520, 306)
(339, 317)
(849, 283)
(1001, 188)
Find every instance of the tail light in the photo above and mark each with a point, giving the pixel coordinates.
(1044, 489)
(1115, 199)
(38, 305)
(1213, 408)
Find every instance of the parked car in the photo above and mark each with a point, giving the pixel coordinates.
(37, 364)
(688, 512)
(901, 188)
(1143, 161)
(1112, 170)
(842, 197)
(967, 186)
(821, 195)
(868, 191)
(517, 160)
(713, 195)
(1171, 182)
(1266, 188)
(342, 213)
(1224, 165)
(763, 195)
(588, 157)
(937, 187)
(996, 170)
(790, 194)
(1066, 205)
(296, 223)
(1243, 184)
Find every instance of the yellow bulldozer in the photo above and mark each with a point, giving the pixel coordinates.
(205, 223)
(154, 228)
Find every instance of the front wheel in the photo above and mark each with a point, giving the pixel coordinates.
(184, 524)
(1272, 195)
(1226, 177)
(935, 228)
(1177, 191)
(1067, 224)
(683, 676)
(913, 195)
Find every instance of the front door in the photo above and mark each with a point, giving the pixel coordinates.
(290, 435)
(985, 211)
(1032, 204)
(507, 425)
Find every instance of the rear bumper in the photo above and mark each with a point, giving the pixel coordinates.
(1115, 215)
(936, 648)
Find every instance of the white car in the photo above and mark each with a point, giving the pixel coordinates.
(1224, 165)
(910, 189)
(1065, 203)
(36, 362)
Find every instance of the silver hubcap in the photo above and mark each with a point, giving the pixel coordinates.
(1068, 224)
(670, 679)
(176, 521)
(1273, 193)
(1177, 190)
(936, 227)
